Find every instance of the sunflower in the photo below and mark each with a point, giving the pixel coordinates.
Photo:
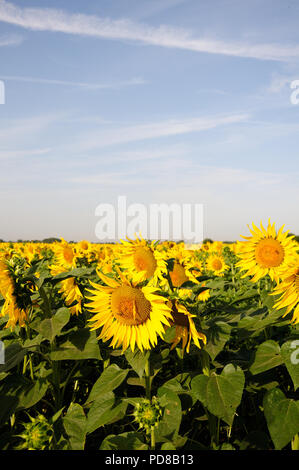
(16, 306)
(206, 246)
(84, 246)
(186, 267)
(185, 329)
(130, 315)
(69, 290)
(204, 295)
(184, 293)
(142, 261)
(148, 413)
(30, 250)
(216, 264)
(178, 275)
(218, 247)
(267, 252)
(64, 254)
(193, 269)
(288, 289)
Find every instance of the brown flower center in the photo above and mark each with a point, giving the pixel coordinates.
(269, 253)
(144, 260)
(217, 264)
(68, 254)
(129, 305)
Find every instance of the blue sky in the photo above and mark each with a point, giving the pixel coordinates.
(162, 101)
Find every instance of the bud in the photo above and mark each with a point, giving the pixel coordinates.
(37, 434)
(148, 414)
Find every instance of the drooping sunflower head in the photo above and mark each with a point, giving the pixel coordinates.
(193, 269)
(266, 252)
(129, 315)
(288, 291)
(204, 295)
(178, 274)
(69, 289)
(185, 329)
(30, 251)
(15, 291)
(183, 265)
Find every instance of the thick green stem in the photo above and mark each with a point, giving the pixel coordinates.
(205, 362)
(233, 278)
(46, 304)
(153, 439)
(147, 379)
(147, 371)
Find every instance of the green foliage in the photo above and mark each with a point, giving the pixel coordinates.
(221, 394)
(282, 415)
(236, 393)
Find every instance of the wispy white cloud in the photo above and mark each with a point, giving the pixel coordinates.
(14, 130)
(149, 154)
(133, 133)
(12, 154)
(135, 156)
(193, 176)
(86, 85)
(40, 19)
(10, 40)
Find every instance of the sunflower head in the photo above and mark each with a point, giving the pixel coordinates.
(37, 434)
(204, 295)
(148, 413)
(266, 252)
(178, 274)
(84, 245)
(216, 264)
(142, 261)
(128, 314)
(64, 254)
(15, 290)
(288, 292)
(185, 329)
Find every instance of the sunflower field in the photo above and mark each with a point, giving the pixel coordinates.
(144, 345)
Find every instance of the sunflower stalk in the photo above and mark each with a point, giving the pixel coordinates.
(147, 372)
(28, 361)
(147, 378)
(205, 362)
(233, 278)
(46, 305)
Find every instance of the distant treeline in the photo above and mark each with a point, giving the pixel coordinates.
(54, 239)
